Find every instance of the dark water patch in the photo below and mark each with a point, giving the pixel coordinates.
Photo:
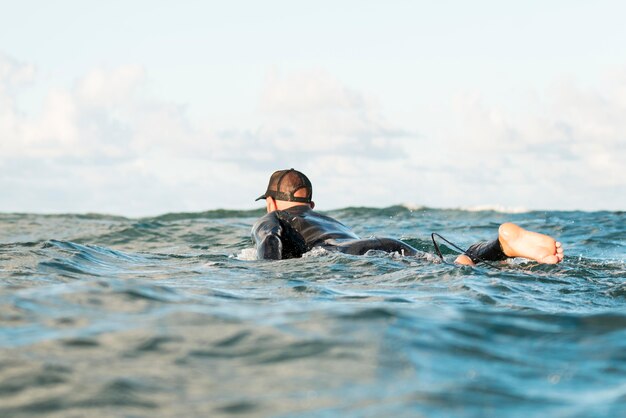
(241, 407)
(398, 300)
(122, 392)
(426, 245)
(369, 212)
(119, 395)
(16, 379)
(370, 314)
(8, 217)
(299, 286)
(156, 344)
(133, 233)
(617, 291)
(64, 268)
(210, 214)
(153, 224)
(234, 339)
(152, 293)
(265, 351)
(81, 343)
(90, 253)
(18, 245)
(295, 351)
(222, 294)
(121, 295)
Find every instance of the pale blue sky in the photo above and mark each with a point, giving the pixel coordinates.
(514, 104)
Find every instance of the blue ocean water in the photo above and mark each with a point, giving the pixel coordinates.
(172, 316)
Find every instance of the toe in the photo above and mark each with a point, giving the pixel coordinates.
(550, 259)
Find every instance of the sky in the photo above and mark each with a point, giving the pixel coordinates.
(147, 107)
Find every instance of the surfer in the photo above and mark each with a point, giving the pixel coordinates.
(291, 227)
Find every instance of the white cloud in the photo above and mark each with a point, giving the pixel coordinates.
(313, 112)
(566, 150)
(98, 145)
(14, 73)
(568, 147)
(101, 88)
(309, 92)
(103, 116)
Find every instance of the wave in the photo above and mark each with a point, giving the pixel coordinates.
(255, 213)
(209, 214)
(496, 208)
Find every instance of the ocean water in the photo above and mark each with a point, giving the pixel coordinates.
(105, 316)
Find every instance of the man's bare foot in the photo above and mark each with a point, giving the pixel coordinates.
(518, 242)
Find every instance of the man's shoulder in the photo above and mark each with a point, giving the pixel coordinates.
(267, 219)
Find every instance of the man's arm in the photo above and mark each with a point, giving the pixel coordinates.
(266, 234)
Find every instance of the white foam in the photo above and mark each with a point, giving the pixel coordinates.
(315, 252)
(477, 208)
(496, 208)
(430, 257)
(413, 206)
(247, 254)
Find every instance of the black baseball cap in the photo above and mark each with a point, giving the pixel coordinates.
(285, 183)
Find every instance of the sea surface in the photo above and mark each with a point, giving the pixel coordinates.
(172, 316)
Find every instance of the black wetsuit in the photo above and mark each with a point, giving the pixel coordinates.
(291, 232)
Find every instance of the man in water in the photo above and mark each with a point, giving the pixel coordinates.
(291, 227)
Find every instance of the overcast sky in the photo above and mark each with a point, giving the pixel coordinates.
(146, 107)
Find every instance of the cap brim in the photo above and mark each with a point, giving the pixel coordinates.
(260, 197)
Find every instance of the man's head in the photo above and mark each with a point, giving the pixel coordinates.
(288, 188)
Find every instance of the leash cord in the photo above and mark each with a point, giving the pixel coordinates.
(453, 245)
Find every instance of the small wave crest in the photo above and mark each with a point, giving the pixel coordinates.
(316, 252)
(247, 254)
(496, 208)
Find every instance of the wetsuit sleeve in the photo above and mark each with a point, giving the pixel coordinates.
(486, 251)
(267, 237)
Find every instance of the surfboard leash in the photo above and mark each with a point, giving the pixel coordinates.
(456, 247)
